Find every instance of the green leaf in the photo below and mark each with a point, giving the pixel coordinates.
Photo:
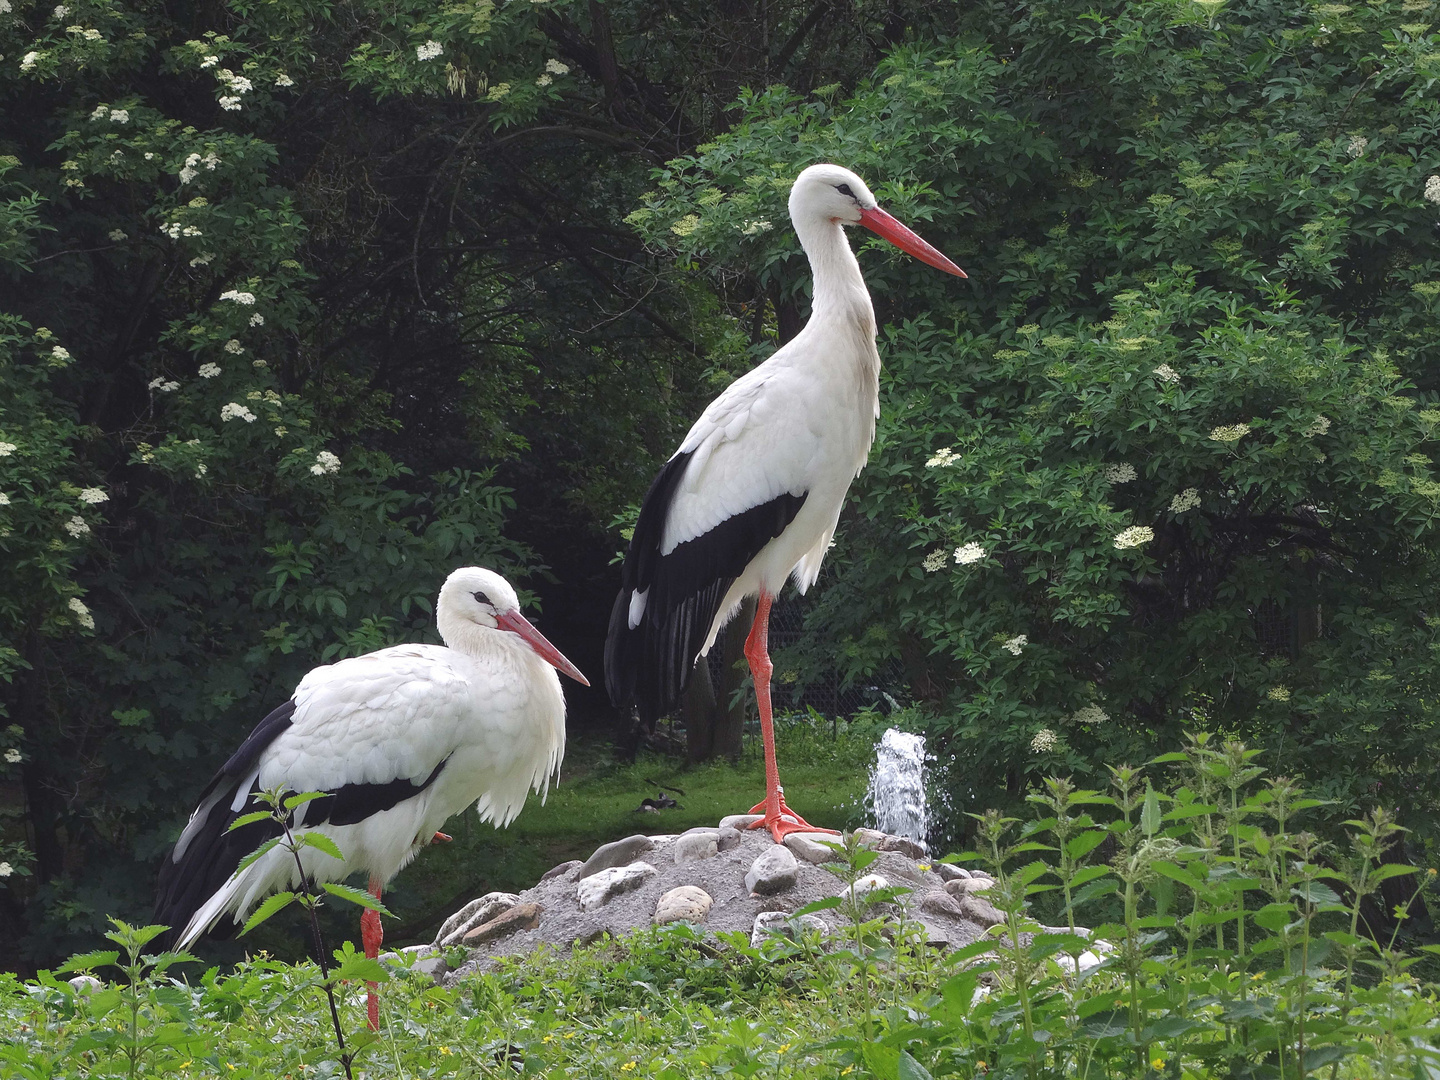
(323, 843)
(1077, 847)
(910, 1069)
(361, 967)
(258, 854)
(292, 801)
(1390, 870)
(352, 895)
(278, 902)
(250, 819)
(88, 961)
(1150, 813)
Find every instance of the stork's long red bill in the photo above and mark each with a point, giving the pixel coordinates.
(883, 224)
(516, 623)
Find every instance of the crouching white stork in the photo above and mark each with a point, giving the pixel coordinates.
(399, 740)
(754, 492)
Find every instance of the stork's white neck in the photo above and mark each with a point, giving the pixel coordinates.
(469, 637)
(839, 288)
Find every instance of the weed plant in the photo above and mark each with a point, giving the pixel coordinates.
(1198, 932)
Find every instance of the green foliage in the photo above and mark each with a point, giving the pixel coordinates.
(1166, 457)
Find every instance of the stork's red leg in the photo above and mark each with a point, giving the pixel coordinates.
(371, 935)
(779, 818)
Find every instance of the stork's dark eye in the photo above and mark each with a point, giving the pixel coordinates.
(844, 189)
(481, 598)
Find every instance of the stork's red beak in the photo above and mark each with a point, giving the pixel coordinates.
(516, 623)
(882, 224)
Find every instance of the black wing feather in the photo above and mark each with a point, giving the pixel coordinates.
(649, 666)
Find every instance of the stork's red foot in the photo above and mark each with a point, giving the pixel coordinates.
(441, 838)
(781, 820)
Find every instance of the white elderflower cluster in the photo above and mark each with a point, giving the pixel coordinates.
(259, 363)
(5, 8)
(1432, 185)
(60, 354)
(1044, 740)
(77, 526)
(7, 448)
(325, 462)
(27, 63)
(208, 371)
(1090, 714)
(6, 869)
(244, 299)
(281, 79)
(969, 553)
(4, 499)
(942, 458)
(545, 79)
(210, 61)
(162, 384)
(1319, 426)
(934, 561)
(200, 470)
(235, 411)
(117, 235)
(60, 11)
(1015, 645)
(1186, 500)
(119, 116)
(1167, 374)
(755, 228)
(175, 230)
(82, 613)
(1279, 693)
(555, 67)
(1122, 473)
(233, 347)
(429, 51)
(101, 111)
(12, 756)
(257, 319)
(93, 496)
(1357, 146)
(230, 103)
(1230, 433)
(1134, 536)
(205, 258)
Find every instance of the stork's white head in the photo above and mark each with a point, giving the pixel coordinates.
(826, 193)
(473, 597)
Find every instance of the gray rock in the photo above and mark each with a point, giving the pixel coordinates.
(85, 984)
(696, 845)
(950, 872)
(563, 868)
(966, 886)
(473, 914)
(727, 838)
(864, 886)
(979, 910)
(811, 847)
(782, 923)
(510, 921)
(688, 902)
(773, 871)
(434, 966)
(870, 838)
(940, 902)
(600, 888)
(739, 821)
(908, 848)
(616, 853)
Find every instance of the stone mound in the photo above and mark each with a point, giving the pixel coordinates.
(726, 878)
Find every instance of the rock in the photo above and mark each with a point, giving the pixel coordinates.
(434, 966)
(771, 923)
(85, 984)
(475, 913)
(519, 917)
(739, 821)
(940, 902)
(966, 886)
(616, 853)
(563, 868)
(773, 871)
(696, 845)
(727, 838)
(864, 886)
(600, 888)
(950, 872)
(908, 848)
(870, 838)
(981, 874)
(979, 910)
(811, 847)
(688, 902)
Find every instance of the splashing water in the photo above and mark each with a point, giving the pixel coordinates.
(897, 786)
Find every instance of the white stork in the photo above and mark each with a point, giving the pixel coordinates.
(754, 492)
(399, 740)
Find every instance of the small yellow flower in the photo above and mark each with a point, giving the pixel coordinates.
(1157, 1063)
(847, 1070)
(445, 1050)
(548, 1038)
(627, 1066)
(1257, 977)
(922, 866)
(783, 1048)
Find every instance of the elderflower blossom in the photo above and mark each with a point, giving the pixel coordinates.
(12, 756)
(1015, 645)
(1186, 500)
(230, 103)
(941, 458)
(1357, 146)
(77, 526)
(210, 61)
(27, 62)
(1134, 536)
(244, 299)
(208, 371)
(60, 11)
(1432, 185)
(934, 561)
(1044, 740)
(1230, 433)
(6, 869)
(1090, 714)
(233, 347)
(1319, 426)
(555, 67)
(119, 116)
(429, 51)
(1122, 473)
(5, 7)
(235, 411)
(755, 228)
(7, 448)
(92, 496)
(686, 225)
(4, 499)
(1279, 693)
(969, 553)
(82, 613)
(60, 354)
(257, 319)
(325, 462)
(101, 111)
(1167, 374)
(116, 235)
(282, 79)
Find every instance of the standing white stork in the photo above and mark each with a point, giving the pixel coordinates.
(399, 740)
(754, 492)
